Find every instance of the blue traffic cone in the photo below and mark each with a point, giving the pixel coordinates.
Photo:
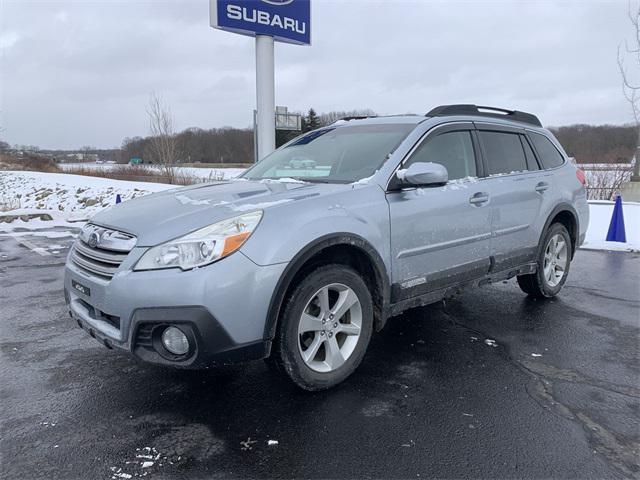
(118, 199)
(616, 227)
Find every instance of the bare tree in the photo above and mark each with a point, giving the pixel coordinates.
(164, 145)
(630, 85)
(604, 181)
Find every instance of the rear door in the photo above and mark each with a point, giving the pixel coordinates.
(520, 193)
(440, 235)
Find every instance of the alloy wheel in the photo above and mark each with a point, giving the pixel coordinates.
(555, 260)
(329, 327)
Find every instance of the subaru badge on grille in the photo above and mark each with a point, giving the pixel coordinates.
(93, 240)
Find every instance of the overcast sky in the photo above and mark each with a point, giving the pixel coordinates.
(80, 73)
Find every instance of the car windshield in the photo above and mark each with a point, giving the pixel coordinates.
(341, 154)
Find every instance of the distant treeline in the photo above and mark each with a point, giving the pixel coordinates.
(196, 145)
(598, 144)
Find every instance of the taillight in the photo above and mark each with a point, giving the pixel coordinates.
(581, 177)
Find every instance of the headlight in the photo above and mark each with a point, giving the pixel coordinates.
(203, 246)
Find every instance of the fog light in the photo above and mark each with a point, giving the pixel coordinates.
(175, 341)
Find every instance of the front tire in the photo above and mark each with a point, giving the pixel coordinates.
(554, 260)
(325, 328)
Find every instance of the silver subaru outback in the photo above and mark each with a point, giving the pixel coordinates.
(308, 253)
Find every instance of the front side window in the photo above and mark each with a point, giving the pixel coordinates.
(549, 154)
(342, 154)
(503, 151)
(454, 150)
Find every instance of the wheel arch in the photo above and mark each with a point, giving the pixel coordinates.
(343, 248)
(567, 216)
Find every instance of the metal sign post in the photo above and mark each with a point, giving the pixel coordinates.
(286, 21)
(265, 96)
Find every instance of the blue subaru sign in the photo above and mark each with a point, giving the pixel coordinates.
(285, 20)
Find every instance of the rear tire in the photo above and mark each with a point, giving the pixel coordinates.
(324, 329)
(554, 260)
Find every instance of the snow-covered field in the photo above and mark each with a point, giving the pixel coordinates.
(202, 173)
(66, 198)
(71, 199)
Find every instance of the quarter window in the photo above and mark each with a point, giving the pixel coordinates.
(548, 153)
(503, 151)
(454, 150)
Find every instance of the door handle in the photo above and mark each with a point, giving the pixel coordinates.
(542, 187)
(479, 198)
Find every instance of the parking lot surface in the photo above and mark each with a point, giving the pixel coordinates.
(490, 384)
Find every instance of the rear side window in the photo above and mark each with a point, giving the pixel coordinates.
(547, 152)
(532, 164)
(454, 150)
(503, 151)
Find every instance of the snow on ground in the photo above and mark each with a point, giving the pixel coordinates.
(202, 173)
(600, 212)
(71, 199)
(28, 220)
(66, 198)
(73, 192)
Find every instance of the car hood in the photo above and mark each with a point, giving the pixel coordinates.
(166, 215)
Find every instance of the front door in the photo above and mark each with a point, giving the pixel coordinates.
(441, 235)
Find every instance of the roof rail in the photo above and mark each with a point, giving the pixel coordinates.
(464, 109)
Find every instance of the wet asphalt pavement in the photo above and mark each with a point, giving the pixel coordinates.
(557, 395)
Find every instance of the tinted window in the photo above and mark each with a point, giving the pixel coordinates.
(532, 164)
(504, 152)
(454, 150)
(548, 153)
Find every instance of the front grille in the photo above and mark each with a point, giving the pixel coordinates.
(102, 260)
(96, 261)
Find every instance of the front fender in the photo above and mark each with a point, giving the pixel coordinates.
(287, 229)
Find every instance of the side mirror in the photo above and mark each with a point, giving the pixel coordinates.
(422, 174)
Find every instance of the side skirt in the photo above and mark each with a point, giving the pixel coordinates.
(435, 296)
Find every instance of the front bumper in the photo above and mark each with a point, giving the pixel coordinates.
(221, 307)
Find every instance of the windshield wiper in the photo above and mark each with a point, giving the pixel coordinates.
(300, 179)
